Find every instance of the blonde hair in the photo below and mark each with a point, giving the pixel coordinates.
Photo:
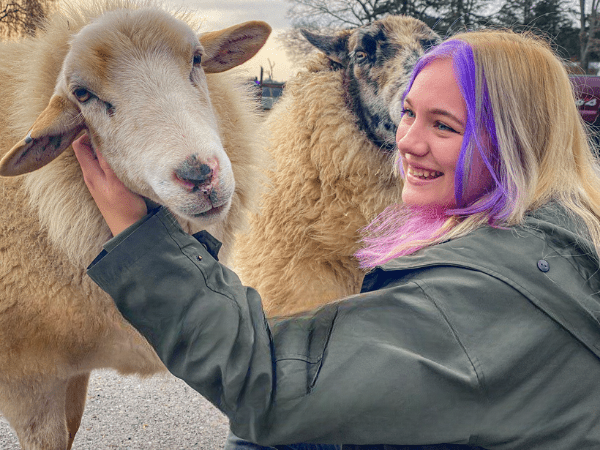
(539, 152)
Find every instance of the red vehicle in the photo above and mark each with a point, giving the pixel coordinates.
(587, 92)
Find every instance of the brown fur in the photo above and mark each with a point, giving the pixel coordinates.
(332, 137)
(56, 325)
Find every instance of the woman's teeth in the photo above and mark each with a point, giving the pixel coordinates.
(424, 174)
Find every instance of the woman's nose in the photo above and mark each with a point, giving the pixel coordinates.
(411, 138)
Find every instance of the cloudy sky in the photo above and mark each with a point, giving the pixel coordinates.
(224, 13)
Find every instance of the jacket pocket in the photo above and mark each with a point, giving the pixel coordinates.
(300, 349)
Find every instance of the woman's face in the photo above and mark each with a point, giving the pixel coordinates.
(430, 136)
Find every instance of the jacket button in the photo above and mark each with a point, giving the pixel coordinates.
(543, 265)
(199, 258)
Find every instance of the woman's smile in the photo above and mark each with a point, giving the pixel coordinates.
(423, 174)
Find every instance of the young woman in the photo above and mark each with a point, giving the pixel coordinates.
(479, 324)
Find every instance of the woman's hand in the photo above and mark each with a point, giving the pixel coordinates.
(119, 206)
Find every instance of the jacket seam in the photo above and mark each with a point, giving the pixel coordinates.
(301, 357)
(474, 438)
(323, 353)
(557, 250)
(200, 269)
(172, 223)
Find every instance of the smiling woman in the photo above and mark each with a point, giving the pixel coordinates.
(468, 153)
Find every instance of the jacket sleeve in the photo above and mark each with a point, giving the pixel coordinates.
(369, 369)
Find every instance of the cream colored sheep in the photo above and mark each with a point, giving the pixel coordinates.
(150, 95)
(333, 140)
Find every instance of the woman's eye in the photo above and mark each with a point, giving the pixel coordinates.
(407, 113)
(443, 127)
(82, 95)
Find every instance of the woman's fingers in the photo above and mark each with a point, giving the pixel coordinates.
(119, 206)
(90, 165)
(104, 165)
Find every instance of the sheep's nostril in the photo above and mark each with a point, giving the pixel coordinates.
(195, 175)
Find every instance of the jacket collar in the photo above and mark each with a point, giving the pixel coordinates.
(568, 291)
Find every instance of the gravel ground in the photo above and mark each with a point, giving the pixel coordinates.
(128, 413)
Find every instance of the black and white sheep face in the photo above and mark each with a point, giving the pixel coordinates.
(377, 60)
(135, 80)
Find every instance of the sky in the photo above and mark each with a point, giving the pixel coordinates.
(224, 13)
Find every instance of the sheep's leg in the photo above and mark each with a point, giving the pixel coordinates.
(75, 404)
(37, 413)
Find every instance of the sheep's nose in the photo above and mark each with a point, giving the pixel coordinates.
(194, 172)
(201, 174)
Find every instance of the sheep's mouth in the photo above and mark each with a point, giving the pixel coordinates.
(209, 205)
(212, 212)
(384, 141)
(387, 148)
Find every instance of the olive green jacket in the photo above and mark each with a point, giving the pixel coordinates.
(489, 340)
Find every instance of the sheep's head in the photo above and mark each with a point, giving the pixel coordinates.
(377, 60)
(135, 80)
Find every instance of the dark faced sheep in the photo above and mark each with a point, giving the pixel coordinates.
(332, 136)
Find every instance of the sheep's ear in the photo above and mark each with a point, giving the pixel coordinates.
(233, 46)
(52, 132)
(335, 47)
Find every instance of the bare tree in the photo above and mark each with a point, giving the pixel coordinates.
(554, 19)
(444, 16)
(352, 13)
(588, 35)
(21, 17)
(271, 66)
(296, 46)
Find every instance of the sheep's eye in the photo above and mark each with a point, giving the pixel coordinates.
(82, 95)
(197, 60)
(360, 55)
(110, 109)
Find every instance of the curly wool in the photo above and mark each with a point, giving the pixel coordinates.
(329, 182)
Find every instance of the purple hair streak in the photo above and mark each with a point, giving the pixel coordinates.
(401, 229)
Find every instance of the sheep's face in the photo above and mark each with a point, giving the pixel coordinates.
(377, 60)
(136, 81)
